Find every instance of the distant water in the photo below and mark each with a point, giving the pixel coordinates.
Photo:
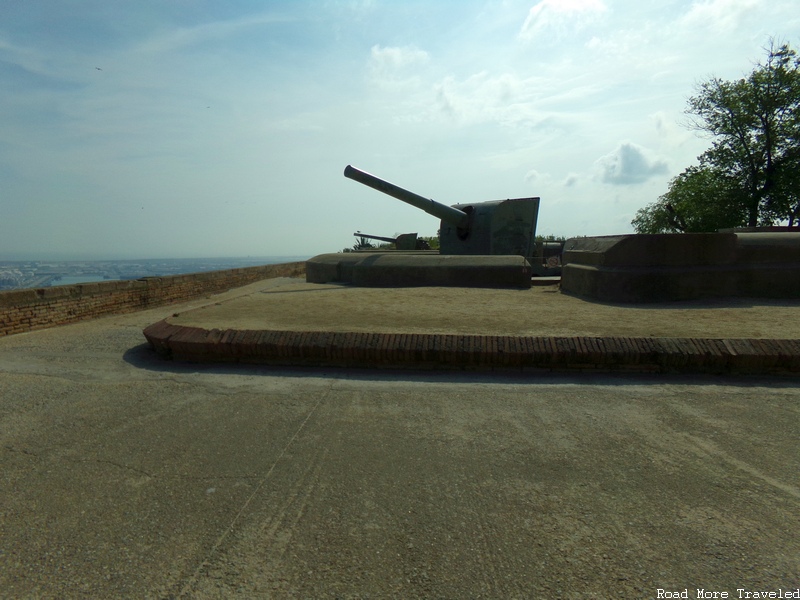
(37, 274)
(71, 280)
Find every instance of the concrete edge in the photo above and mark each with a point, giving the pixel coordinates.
(475, 352)
(419, 269)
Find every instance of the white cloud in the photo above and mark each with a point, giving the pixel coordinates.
(33, 60)
(671, 132)
(532, 176)
(393, 63)
(719, 15)
(546, 180)
(630, 164)
(189, 36)
(571, 180)
(506, 99)
(555, 16)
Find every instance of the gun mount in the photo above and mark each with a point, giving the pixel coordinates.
(501, 227)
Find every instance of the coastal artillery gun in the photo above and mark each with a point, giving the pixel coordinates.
(486, 244)
(404, 241)
(500, 227)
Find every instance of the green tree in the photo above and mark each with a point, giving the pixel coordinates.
(751, 174)
(433, 241)
(699, 199)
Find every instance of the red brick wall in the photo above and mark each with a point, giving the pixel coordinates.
(37, 308)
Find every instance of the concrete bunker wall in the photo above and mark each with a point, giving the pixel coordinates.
(667, 267)
(415, 269)
(38, 308)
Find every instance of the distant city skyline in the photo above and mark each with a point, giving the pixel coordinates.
(161, 129)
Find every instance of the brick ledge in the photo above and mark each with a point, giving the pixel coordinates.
(476, 352)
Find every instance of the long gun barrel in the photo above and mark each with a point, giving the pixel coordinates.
(450, 215)
(375, 237)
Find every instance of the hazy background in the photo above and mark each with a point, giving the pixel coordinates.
(192, 128)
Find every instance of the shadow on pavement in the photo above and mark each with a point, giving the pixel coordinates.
(144, 357)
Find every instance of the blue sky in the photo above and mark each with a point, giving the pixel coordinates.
(188, 128)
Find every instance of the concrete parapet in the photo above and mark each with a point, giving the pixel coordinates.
(338, 267)
(667, 267)
(658, 250)
(647, 284)
(419, 269)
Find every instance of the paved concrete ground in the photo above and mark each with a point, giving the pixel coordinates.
(127, 476)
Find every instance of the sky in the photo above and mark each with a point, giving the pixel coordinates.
(200, 128)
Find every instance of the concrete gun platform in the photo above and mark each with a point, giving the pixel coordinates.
(291, 322)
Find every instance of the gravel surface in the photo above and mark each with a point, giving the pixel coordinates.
(291, 304)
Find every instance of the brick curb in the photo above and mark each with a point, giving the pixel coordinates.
(476, 352)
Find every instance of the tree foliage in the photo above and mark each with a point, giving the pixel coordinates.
(699, 199)
(750, 175)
